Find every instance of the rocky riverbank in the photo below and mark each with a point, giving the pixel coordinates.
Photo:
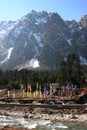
(11, 128)
(77, 115)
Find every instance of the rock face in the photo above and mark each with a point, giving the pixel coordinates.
(40, 40)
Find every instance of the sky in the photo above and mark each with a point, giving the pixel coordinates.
(67, 9)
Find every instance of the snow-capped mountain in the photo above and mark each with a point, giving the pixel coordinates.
(41, 40)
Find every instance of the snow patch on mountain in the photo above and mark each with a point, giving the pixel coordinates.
(10, 28)
(69, 41)
(40, 20)
(80, 27)
(38, 38)
(36, 50)
(16, 32)
(2, 32)
(33, 63)
(1, 46)
(8, 55)
(83, 60)
(25, 44)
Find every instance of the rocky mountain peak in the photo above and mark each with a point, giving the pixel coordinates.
(43, 37)
(83, 21)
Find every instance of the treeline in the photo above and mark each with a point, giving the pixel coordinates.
(13, 79)
(70, 70)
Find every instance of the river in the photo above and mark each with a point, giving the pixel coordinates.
(40, 124)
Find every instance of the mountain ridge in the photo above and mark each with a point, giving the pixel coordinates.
(44, 37)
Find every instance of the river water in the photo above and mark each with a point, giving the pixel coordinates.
(40, 124)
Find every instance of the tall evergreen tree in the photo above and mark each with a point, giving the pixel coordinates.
(62, 73)
(70, 70)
